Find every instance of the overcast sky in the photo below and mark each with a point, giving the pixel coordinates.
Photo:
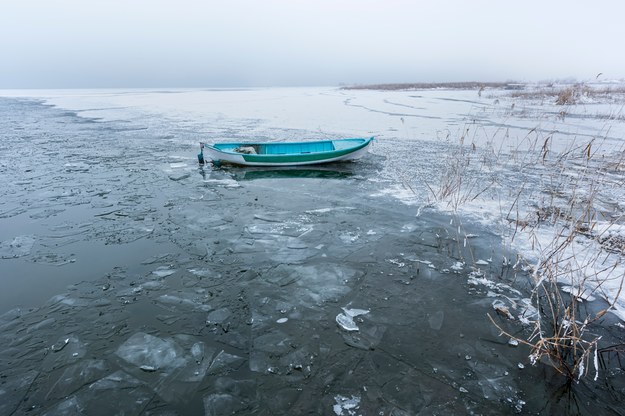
(239, 43)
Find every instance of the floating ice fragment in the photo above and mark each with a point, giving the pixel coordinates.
(296, 244)
(513, 342)
(59, 345)
(185, 301)
(18, 247)
(176, 165)
(346, 319)
(228, 183)
(355, 312)
(218, 316)
(163, 272)
(396, 262)
(151, 353)
(481, 262)
(223, 359)
(457, 266)
(349, 237)
(200, 272)
(346, 406)
(282, 320)
(66, 350)
(197, 350)
(179, 176)
(346, 322)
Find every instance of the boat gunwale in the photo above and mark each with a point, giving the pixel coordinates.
(360, 142)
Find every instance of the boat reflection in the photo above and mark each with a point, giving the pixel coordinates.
(328, 171)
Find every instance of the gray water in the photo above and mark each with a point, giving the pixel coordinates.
(135, 282)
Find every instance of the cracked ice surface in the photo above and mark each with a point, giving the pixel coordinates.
(157, 287)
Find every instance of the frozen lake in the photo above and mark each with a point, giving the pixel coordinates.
(136, 282)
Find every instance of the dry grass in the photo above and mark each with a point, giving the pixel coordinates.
(570, 94)
(469, 85)
(572, 181)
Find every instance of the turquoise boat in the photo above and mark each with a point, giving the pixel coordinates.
(285, 153)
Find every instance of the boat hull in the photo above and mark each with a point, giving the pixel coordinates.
(288, 154)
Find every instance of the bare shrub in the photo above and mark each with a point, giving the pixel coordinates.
(567, 96)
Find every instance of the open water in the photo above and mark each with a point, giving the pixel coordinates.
(135, 282)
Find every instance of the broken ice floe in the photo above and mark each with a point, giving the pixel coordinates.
(178, 176)
(118, 393)
(349, 237)
(476, 278)
(345, 319)
(18, 247)
(183, 300)
(396, 262)
(226, 183)
(163, 272)
(346, 406)
(151, 353)
(76, 376)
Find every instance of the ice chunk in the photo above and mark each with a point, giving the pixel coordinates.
(66, 350)
(151, 353)
(179, 176)
(184, 300)
(163, 272)
(223, 359)
(197, 350)
(346, 322)
(349, 237)
(457, 266)
(346, 406)
(116, 394)
(218, 317)
(18, 247)
(346, 318)
(76, 376)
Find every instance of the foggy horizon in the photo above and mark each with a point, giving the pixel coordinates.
(245, 44)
